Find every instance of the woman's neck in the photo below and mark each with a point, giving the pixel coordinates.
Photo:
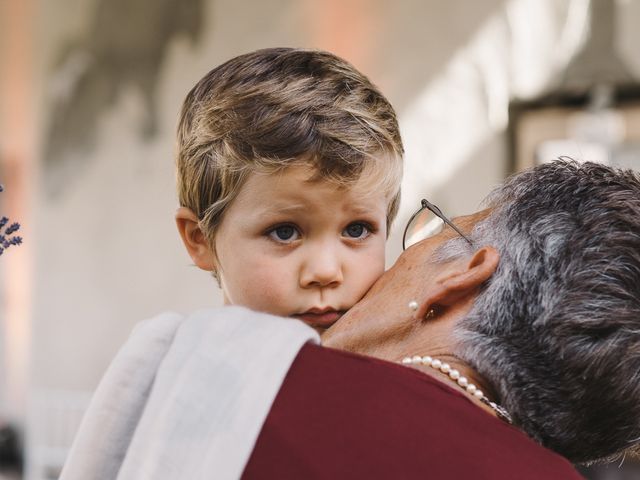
(450, 369)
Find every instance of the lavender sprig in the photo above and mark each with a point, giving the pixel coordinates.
(7, 239)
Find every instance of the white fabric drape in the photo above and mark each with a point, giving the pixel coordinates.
(185, 398)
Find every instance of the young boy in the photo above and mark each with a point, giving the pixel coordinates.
(289, 165)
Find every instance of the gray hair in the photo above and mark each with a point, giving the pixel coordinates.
(556, 330)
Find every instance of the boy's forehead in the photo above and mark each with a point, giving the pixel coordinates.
(303, 176)
(380, 175)
(297, 190)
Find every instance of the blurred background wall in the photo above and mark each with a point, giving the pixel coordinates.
(89, 96)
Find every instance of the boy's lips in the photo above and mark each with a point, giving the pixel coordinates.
(316, 317)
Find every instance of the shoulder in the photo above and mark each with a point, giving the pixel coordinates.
(377, 419)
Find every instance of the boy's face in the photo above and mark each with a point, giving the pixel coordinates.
(303, 249)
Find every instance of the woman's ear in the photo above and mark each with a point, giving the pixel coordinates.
(457, 285)
(194, 239)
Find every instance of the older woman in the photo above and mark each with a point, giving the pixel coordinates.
(539, 305)
(519, 326)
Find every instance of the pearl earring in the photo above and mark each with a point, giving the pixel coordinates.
(413, 305)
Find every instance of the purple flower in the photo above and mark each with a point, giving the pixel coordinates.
(6, 238)
(14, 227)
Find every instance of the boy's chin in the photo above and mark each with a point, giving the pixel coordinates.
(320, 321)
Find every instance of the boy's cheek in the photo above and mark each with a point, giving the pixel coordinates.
(262, 288)
(369, 268)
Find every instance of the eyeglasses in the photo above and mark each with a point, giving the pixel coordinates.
(427, 222)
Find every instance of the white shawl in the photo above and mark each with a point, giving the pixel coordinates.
(185, 398)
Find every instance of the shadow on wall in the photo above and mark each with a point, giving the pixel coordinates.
(125, 48)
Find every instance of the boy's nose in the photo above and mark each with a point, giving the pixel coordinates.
(322, 268)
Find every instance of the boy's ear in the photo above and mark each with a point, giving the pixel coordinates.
(459, 284)
(194, 239)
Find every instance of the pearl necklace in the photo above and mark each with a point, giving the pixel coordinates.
(462, 381)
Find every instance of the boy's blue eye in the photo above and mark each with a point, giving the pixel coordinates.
(284, 233)
(357, 230)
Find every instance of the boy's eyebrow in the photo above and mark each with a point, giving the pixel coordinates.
(275, 208)
(301, 207)
(361, 209)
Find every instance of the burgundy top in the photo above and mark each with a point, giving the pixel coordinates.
(340, 415)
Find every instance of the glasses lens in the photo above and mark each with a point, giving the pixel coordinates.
(424, 225)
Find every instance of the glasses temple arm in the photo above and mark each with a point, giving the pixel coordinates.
(438, 212)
